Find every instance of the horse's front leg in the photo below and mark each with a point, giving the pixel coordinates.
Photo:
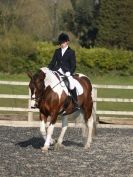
(59, 144)
(50, 130)
(44, 132)
(48, 138)
(43, 120)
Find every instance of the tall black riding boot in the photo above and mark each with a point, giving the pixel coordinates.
(74, 97)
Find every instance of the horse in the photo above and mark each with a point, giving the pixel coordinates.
(50, 95)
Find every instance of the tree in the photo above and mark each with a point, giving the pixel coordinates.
(33, 17)
(115, 24)
(81, 21)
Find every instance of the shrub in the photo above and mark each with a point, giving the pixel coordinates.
(15, 52)
(45, 51)
(21, 53)
(99, 60)
(105, 60)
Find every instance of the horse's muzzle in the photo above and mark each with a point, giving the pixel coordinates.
(34, 104)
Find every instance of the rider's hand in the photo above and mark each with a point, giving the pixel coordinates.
(67, 74)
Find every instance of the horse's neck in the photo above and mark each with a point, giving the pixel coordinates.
(50, 79)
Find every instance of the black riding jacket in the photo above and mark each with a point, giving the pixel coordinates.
(67, 62)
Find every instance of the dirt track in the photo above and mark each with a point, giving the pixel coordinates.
(111, 154)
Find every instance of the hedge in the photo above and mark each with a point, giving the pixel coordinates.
(100, 60)
(107, 60)
(23, 54)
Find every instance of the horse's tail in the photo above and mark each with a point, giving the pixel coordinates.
(88, 86)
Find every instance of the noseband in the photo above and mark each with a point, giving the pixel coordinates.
(38, 98)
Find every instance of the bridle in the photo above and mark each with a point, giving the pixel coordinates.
(38, 98)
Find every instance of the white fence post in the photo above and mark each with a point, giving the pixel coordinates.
(94, 95)
(30, 112)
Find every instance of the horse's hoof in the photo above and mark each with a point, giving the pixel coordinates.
(44, 149)
(53, 142)
(87, 147)
(58, 146)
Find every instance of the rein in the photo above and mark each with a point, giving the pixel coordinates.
(40, 95)
(56, 73)
(57, 84)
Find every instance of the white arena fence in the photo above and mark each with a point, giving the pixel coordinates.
(95, 99)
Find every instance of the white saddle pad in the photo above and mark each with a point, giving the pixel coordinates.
(77, 85)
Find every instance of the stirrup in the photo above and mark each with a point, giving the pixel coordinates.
(76, 106)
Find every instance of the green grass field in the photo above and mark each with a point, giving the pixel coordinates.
(95, 79)
(106, 93)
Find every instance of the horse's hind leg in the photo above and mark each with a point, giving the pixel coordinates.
(59, 144)
(88, 122)
(90, 132)
(94, 122)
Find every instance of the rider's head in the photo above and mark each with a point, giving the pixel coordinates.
(63, 40)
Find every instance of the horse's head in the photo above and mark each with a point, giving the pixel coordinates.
(43, 82)
(37, 87)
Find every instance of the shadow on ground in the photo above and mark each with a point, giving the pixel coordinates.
(35, 142)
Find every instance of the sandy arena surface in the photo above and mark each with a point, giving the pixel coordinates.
(111, 154)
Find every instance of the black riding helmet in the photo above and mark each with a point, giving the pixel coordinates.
(63, 38)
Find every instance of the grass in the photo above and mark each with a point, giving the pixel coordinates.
(111, 79)
(14, 77)
(14, 89)
(95, 79)
(105, 93)
(14, 103)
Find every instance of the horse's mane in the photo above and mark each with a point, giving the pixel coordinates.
(50, 78)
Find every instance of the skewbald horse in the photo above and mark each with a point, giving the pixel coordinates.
(51, 98)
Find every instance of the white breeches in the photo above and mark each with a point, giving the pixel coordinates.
(70, 79)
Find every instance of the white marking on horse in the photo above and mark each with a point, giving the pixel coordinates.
(52, 81)
(49, 135)
(81, 75)
(33, 101)
(90, 126)
(43, 129)
(60, 139)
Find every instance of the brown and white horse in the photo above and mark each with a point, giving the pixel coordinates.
(52, 97)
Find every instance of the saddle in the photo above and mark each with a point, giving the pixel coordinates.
(66, 81)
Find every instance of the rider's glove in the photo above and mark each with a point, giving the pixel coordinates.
(67, 74)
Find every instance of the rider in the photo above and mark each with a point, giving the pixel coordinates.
(64, 61)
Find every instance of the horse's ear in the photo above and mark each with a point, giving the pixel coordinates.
(42, 76)
(29, 73)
